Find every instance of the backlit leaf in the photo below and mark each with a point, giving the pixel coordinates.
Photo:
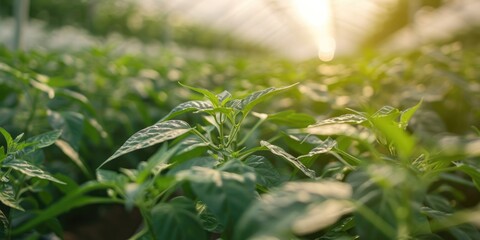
(30, 170)
(209, 95)
(158, 133)
(408, 113)
(189, 106)
(322, 147)
(295, 208)
(385, 111)
(255, 98)
(347, 118)
(280, 152)
(223, 97)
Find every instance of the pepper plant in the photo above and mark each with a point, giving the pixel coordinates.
(360, 175)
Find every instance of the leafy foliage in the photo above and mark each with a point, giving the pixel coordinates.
(322, 159)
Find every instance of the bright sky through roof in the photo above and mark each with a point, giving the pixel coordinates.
(316, 14)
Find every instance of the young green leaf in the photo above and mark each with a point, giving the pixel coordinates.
(177, 220)
(7, 196)
(158, 133)
(45, 139)
(29, 169)
(403, 142)
(255, 98)
(407, 114)
(209, 95)
(189, 106)
(347, 118)
(224, 97)
(8, 138)
(385, 111)
(280, 152)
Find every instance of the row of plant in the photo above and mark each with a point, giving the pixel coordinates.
(315, 162)
(130, 19)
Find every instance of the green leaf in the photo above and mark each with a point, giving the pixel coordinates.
(73, 199)
(298, 208)
(45, 139)
(111, 177)
(70, 123)
(347, 118)
(455, 223)
(209, 222)
(8, 138)
(387, 197)
(407, 114)
(190, 143)
(177, 220)
(155, 162)
(185, 107)
(30, 169)
(291, 119)
(472, 171)
(207, 162)
(403, 142)
(226, 194)
(280, 152)
(209, 95)
(385, 111)
(43, 87)
(323, 147)
(255, 98)
(7, 196)
(224, 97)
(75, 96)
(68, 150)
(158, 133)
(267, 175)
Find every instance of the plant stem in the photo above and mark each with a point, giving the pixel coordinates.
(250, 132)
(204, 139)
(32, 112)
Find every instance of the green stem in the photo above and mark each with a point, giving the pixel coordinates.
(236, 129)
(32, 112)
(350, 158)
(204, 139)
(220, 128)
(249, 133)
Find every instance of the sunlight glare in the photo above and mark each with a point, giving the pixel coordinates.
(316, 14)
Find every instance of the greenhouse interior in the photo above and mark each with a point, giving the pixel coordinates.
(250, 119)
